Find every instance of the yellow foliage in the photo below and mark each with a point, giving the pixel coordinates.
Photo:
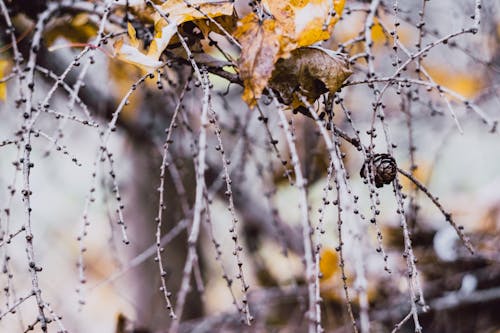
(461, 82)
(378, 34)
(3, 86)
(261, 48)
(312, 71)
(132, 35)
(133, 52)
(406, 33)
(328, 263)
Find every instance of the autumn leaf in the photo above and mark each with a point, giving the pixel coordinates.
(305, 22)
(261, 49)
(291, 25)
(466, 83)
(176, 12)
(131, 53)
(3, 85)
(226, 22)
(311, 72)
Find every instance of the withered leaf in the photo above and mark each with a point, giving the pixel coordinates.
(290, 25)
(261, 48)
(227, 22)
(173, 14)
(309, 71)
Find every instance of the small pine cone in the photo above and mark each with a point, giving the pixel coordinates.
(384, 169)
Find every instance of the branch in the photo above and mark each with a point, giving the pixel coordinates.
(458, 229)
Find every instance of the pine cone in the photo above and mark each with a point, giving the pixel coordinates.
(384, 169)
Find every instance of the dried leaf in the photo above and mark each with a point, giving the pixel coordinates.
(292, 24)
(177, 12)
(305, 22)
(132, 53)
(131, 34)
(161, 39)
(310, 71)
(467, 83)
(133, 56)
(261, 49)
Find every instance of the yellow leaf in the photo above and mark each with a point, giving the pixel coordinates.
(378, 34)
(133, 56)
(132, 53)
(161, 39)
(80, 20)
(328, 263)
(131, 34)
(3, 86)
(305, 22)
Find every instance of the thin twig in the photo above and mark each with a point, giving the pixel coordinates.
(304, 219)
(449, 219)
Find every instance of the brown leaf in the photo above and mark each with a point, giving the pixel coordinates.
(260, 50)
(179, 11)
(227, 22)
(290, 25)
(310, 71)
(173, 14)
